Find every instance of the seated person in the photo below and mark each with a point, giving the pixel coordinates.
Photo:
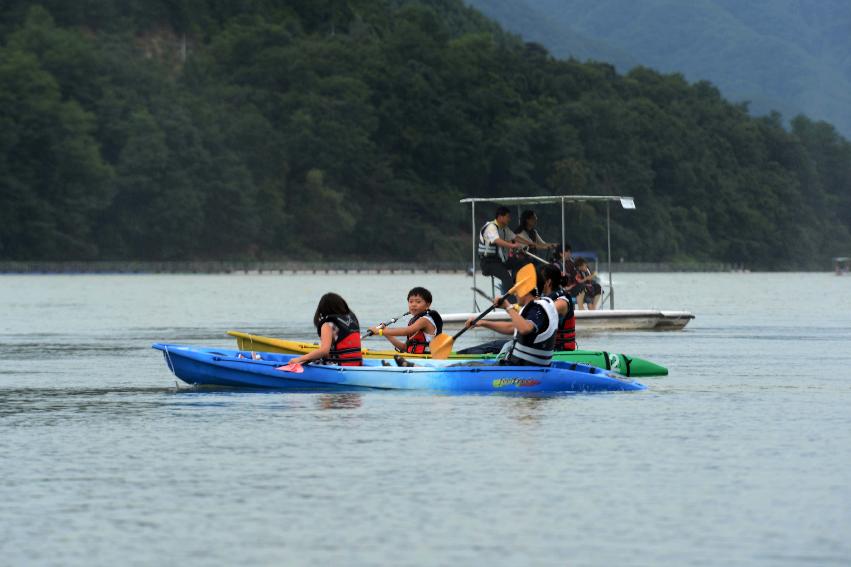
(527, 233)
(495, 240)
(549, 277)
(589, 291)
(425, 324)
(534, 329)
(568, 274)
(339, 334)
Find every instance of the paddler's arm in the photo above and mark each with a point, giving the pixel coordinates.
(523, 326)
(562, 306)
(391, 333)
(502, 327)
(326, 337)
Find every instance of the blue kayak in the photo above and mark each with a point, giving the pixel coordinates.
(234, 368)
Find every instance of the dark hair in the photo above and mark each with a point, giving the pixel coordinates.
(502, 211)
(421, 292)
(524, 218)
(580, 262)
(330, 304)
(549, 273)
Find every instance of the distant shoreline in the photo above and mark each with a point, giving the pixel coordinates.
(295, 267)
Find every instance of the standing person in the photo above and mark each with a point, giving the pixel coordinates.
(549, 281)
(495, 240)
(339, 334)
(534, 329)
(425, 324)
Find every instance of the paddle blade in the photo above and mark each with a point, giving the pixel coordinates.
(527, 280)
(291, 367)
(441, 346)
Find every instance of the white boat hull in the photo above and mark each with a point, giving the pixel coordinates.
(599, 320)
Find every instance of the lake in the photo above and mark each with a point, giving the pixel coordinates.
(742, 455)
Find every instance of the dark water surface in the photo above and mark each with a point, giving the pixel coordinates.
(742, 455)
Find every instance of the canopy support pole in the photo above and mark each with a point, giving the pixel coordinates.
(473, 210)
(609, 255)
(563, 241)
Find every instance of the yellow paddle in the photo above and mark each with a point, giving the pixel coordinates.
(526, 278)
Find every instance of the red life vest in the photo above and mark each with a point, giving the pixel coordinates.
(566, 332)
(418, 342)
(346, 350)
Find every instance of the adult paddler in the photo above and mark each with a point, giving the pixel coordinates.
(495, 240)
(534, 328)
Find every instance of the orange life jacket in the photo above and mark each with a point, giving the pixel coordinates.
(346, 350)
(418, 342)
(566, 332)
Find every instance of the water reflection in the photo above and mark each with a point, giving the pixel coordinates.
(529, 409)
(340, 401)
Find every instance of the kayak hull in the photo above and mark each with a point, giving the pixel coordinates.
(621, 363)
(237, 369)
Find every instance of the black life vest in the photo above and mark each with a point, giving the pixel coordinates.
(346, 350)
(418, 342)
(536, 348)
(566, 332)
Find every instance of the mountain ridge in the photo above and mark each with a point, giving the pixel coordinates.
(787, 56)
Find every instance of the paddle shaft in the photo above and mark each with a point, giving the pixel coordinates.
(384, 324)
(485, 312)
(538, 258)
(441, 345)
(476, 320)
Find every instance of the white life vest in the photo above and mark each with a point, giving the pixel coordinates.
(537, 347)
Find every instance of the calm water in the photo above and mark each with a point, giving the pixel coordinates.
(742, 455)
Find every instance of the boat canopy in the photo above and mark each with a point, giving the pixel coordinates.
(625, 202)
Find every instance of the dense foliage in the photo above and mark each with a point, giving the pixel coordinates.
(350, 129)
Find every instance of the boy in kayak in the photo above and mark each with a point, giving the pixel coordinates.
(339, 334)
(534, 328)
(421, 329)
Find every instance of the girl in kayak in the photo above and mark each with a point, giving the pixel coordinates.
(339, 334)
(534, 329)
(424, 324)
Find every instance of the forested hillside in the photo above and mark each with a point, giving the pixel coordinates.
(789, 56)
(197, 129)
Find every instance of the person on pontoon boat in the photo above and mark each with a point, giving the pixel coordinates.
(568, 274)
(526, 233)
(588, 291)
(495, 240)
